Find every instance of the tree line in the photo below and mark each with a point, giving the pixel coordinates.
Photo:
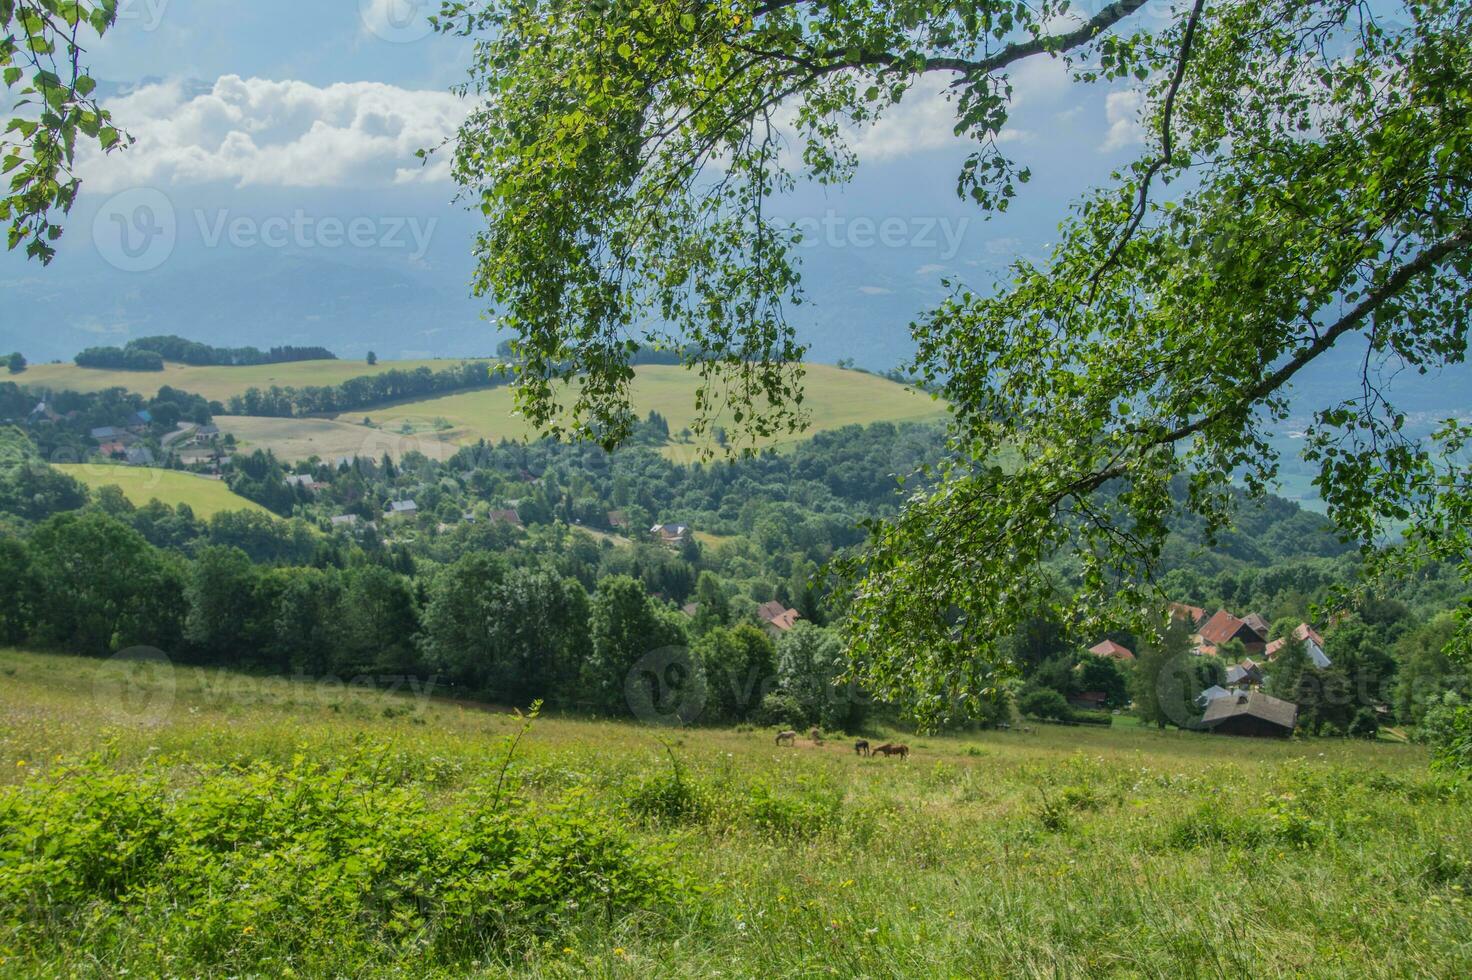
(365, 392)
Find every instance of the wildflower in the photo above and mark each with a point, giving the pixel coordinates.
(567, 950)
(619, 951)
(20, 764)
(248, 930)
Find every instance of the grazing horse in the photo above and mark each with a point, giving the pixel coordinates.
(861, 747)
(816, 736)
(888, 749)
(788, 737)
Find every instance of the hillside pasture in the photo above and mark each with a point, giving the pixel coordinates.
(271, 827)
(215, 382)
(140, 484)
(329, 439)
(833, 397)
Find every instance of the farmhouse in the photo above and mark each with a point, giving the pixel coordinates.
(402, 508)
(1312, 642)
(1223, 627)
(506, 516)
(777, 618)
(671, 534)
(1251, 713)
(1192, 616)
(1111, 649)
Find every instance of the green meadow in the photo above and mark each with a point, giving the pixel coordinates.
(140, 484)
(832, 398)
(191, 822)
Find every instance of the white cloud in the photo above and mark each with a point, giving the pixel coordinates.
(257, 132)
(1123, 112)
(875, 291)
(926, 119)
(929, 269)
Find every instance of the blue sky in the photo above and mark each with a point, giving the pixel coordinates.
(268, 131)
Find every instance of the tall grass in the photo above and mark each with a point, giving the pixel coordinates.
(1064, 852)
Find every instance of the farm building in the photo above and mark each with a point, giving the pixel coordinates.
(1251, 713)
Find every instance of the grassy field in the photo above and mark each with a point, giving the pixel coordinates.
(184, 821)
(437, 427)
(216, 383)
(833, 397)
(141, 484)
(328, 439)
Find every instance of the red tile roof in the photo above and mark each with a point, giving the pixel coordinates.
(1111, 649)
(1222, 627)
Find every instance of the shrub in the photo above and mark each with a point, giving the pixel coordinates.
(782, 710)
(1044, 702)
(304, 859)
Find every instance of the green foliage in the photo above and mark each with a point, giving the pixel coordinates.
(16, 363)
(1447, 729)
(1045, 703)
(42, 43)
(261, 864)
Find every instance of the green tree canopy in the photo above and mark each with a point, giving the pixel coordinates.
(1305, 188)
(42, 43)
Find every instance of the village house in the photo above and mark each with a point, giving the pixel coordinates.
(306, 482)
(1192, 616)
(1312, 642)
(402, 508)
(671, 534)
(1112, 650)
(777, 618)
(1251, 713)
(1222, 628)
(1089, 700)
(506, 515)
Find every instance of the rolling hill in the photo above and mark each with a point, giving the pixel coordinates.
(140, 485)
(214, 382)
(833, 398)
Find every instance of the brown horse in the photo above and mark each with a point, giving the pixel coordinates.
(888, 749)
(789, 738)
(816, 736)
(861, 747)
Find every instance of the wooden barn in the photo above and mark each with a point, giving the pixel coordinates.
(1251, 713)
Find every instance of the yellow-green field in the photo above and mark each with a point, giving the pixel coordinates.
(217, 383)
(833, 398)
(179, 821)
(140, 484)
(436, 427)
(329, 439)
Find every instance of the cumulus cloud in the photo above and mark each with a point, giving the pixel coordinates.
(257, 132)
(926, 119)
(1122, 109)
